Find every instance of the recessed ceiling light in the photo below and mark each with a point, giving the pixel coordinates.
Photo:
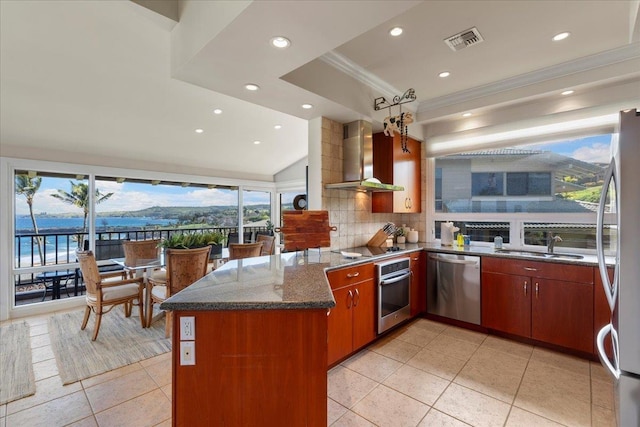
(567, 92)
(444, 74)
(561, 36)
(256, 142)
(307, 106)
(280, 42)
(217, 111)
(467, 115)
(251, 86)
(395, 31)
(277, 127)
(199, 130)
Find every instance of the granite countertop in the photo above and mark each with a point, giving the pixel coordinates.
(297, 280)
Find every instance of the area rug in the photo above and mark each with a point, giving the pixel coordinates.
(121, 341)
(16, 369)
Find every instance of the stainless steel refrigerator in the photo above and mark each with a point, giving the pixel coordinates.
(620, 211)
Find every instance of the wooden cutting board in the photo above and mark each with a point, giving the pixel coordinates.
(305, 229)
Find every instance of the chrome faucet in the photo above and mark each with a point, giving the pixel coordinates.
(551, 242)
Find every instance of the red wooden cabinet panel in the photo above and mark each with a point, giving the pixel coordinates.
(418, 283)
(364, 314)
(562, 313)
(506, 303)
(340, 331)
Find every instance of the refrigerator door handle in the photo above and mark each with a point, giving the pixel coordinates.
(610, 287)
(608, 329)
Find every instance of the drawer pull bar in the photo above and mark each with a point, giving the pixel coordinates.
(352, 275)
(525, 288)
(536, 289)
(530, 269)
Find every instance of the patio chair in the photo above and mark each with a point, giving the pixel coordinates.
(184, 267)
(244, 250)
(103, 295)
(233, 237)
(268, 244)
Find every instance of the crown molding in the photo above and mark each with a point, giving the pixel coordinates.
(613, 56)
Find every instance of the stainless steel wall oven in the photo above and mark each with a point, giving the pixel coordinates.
(394, 290)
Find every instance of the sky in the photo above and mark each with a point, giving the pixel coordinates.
(130, 196)
(593, 149)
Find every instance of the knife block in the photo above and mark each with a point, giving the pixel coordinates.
(378, 239)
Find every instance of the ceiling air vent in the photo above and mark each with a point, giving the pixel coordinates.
(464, 39)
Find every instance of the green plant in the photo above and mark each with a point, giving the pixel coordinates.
(192, 240)
(269, 225)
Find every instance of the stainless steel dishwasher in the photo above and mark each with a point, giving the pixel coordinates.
(453, 286)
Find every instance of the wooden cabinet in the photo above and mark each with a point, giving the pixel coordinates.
(245, 362)
(351, 323)
(393, 166)
(545, 301)
(418, 283)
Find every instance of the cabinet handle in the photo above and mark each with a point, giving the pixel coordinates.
(352, 275)
(416, 258)
(530, 269)
(525, 288)
(410, 203)
(328, 312)
(349, 299)
(536, 289)
(355, 302)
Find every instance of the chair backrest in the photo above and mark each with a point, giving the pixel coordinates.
(185, 266)
(244, 250)
(140, 249)
(268, 244)
(232, 237)
(90, 272)
(107, 249)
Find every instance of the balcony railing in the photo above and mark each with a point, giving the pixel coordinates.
(58, 248)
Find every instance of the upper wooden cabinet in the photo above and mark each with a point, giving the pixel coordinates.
(393, 166)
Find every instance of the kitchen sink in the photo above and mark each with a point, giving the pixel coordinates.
(538, 254)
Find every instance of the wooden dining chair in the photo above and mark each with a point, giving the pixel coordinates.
(103, 294)
(244, 250)
(268, 244)
(135, 250)
(184, 267)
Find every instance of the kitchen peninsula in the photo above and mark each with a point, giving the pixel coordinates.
(256, 353)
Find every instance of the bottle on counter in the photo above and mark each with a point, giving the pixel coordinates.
(460, 240)
(497, 242)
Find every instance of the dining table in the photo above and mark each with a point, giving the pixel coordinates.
(140, 269)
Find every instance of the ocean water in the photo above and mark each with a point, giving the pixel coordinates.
(23, 247)
(23, 223)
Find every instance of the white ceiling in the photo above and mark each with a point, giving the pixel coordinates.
(113, 79)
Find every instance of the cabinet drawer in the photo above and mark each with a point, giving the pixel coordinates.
(349, 275)
(545, 270)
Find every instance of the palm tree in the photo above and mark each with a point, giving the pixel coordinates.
(79, 197)
(28, 186)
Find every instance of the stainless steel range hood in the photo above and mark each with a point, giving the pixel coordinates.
(357, 164)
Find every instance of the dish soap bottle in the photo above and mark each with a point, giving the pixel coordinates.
(497, 242)
(460, 240)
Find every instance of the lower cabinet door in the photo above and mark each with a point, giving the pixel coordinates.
(339, 329)
(506, 303)
(364, 314)
(562, 313)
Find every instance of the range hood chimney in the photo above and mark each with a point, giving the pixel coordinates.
(357, 166)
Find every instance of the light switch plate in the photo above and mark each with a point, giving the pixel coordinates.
(187, 328)
(187, 353)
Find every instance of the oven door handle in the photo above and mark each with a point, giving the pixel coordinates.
(395, 279)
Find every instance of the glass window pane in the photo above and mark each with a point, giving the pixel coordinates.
(479, 231)
(560, 177)
(487, 184)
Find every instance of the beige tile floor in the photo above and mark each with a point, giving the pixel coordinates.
(425, 374)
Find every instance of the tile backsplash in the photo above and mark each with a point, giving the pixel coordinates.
(350, 211)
